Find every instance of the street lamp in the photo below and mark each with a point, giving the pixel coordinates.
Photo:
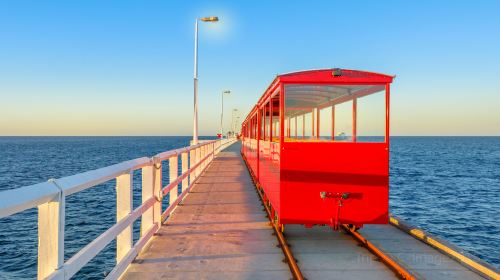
(235, 111)
(222, 112)
(237, 122)
(195, 117)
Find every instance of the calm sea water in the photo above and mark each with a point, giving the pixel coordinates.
(450, 186)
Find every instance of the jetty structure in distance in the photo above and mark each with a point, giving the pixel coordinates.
(222, 221)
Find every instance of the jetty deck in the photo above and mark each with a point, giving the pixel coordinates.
(218, 228)
(422, 260)
(221, 231)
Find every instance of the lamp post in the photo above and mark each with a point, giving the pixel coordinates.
(195, 116)
(235, 111)
(236, 123)
(222, 112)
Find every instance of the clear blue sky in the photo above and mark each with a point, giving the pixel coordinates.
(125, 67)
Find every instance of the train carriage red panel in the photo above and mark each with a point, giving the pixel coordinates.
(318, 144)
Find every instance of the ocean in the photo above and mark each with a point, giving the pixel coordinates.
(449, 186)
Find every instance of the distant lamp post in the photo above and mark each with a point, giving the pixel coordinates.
(237, 123)
(195, 117)
(222, 112)
(235, 111)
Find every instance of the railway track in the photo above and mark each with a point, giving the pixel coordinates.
(368, 250)
(296, 271)
(292, 262)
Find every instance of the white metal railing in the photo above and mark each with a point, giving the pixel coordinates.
(50, 199)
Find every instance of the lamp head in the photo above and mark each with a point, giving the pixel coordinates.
(210, 19)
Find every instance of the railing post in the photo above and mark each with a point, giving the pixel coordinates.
(184, 159)
(147, 193)
(123, 208)
(200, 167)
(157, 191)
(198, 159)
(212, 151)
(173, 171)
(207, 153)
(203, 155)
(192, 162)
(51, 235)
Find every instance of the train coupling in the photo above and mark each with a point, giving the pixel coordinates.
(341, 196)
(338, 198)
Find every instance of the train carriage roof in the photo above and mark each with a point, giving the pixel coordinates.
(335, 75)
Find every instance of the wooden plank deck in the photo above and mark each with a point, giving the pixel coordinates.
(219, 232)
(416, 256)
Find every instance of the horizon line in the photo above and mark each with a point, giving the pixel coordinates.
(429, 135)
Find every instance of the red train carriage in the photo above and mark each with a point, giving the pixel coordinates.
(317, 142)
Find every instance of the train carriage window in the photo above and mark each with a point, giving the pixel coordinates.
(287, 128)
(267, 118)
(292, 128)
(275, 110)
(300, 127)
(307, 121)
(343, 122)
(371, 118)
(325, 123)
(276, 130)
(255, 129)
(253, 125)
(262, 113)
(266, 122)
(339, 113)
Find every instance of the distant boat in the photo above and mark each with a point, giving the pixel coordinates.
(341, 136)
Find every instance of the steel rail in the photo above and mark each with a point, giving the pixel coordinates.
(290, 260)
(388, 261)
(292, 263)
(294, 268)
(392, 264)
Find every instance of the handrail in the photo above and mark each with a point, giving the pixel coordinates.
(23, 198)
(177, 181)
(17, 200)
(49, 197)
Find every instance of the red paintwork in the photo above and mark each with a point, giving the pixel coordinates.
(293, 174)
